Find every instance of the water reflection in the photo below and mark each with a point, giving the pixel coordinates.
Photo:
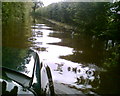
(14, 48)
(73, 60)
(59, 68)
(51, 44)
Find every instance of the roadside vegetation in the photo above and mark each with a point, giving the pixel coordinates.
(16, 22)
(16, 18)
(98, 19)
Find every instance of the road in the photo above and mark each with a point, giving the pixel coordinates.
(62, 89)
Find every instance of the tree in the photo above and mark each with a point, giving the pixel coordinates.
(37, 5)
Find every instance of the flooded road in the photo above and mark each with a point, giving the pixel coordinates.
(57, 49)
(76, 62)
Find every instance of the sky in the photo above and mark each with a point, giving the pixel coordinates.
(47, 2)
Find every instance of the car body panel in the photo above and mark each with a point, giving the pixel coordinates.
(39, 83)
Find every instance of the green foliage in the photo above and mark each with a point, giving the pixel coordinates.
(87, 17)
(15, 31)
(113, 57)
(114, 21)
(15, 11)
(94, 18)
(101, 19)
(12, 10)
(12, 57)
(15, 22)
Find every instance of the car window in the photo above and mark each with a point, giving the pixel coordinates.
(20, 60)
(11, 88)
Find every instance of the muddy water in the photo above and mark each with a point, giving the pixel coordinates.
(73, 60)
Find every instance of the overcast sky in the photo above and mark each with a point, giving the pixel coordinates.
(47, 2)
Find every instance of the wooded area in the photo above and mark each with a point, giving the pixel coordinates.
(97, 18)
(91, 22)
(16, 18)
(16, 22)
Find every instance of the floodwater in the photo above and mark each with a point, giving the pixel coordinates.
(74, 61)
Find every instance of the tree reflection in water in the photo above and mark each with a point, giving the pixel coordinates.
(86, 76)
(15, 44)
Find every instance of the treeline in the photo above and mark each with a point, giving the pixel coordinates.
(101, 19)
(15, 22)
(18, 11)
(16, 28)
(98, 19)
